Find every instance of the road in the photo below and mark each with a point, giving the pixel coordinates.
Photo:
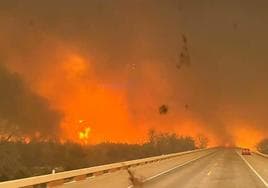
(222, 168)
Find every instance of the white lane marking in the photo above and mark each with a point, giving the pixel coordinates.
(255, 172)
(171, 169)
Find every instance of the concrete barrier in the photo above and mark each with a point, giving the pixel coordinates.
(56, 179)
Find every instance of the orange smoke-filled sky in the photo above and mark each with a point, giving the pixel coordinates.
(107, 67)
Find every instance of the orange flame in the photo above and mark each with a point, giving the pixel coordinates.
(71, 85)
(84, 135)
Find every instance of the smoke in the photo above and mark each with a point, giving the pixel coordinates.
(114, 63)
(22, 112)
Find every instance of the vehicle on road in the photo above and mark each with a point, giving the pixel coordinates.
(246, 151)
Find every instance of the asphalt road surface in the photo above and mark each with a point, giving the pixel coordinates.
(221, 168)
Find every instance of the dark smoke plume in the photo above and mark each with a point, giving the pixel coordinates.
(211, 56)
(22, 112)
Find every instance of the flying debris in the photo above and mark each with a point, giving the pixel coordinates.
(184, 39)
(184, 56)
(178, 66)
(31, 23)
(132, 66)
(235, 25)
(163, 109)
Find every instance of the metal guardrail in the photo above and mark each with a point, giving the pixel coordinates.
(81, 174)
(261, 154)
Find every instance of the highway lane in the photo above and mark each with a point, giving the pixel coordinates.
(120, 179)
(219, 168)
(223, 169)
(260, 164)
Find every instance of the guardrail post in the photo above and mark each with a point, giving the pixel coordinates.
(55, 183)
(81, 177)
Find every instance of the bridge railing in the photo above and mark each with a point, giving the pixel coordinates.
(261, 154)
(51, 180)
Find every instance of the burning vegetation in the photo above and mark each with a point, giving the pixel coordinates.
(64, 156)
(52, 74)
